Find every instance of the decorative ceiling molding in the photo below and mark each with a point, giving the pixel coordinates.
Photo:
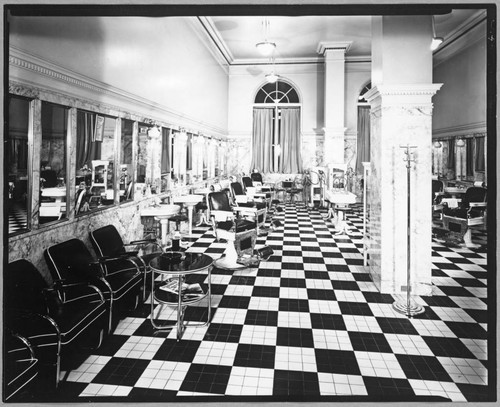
(205, 30)
(462, 37)
(68, 80)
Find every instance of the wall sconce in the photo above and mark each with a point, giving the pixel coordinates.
(460, 142)
(437, 144)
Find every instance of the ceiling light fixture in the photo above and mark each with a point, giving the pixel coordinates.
(266, 47)
(436, 41)
(272, 77)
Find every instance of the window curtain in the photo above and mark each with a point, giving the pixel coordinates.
(86, 149)
(290, 141)
(262, 139)
(165, 157)
(480, 164)
(363, 141)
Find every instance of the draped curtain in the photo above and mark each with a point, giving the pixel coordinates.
(480, 164)
(451, 154)
(87, 149)
(262, 139)
(363, 142)
(290, 141)
(469, 154)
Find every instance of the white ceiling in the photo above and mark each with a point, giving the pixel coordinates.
(297, 37)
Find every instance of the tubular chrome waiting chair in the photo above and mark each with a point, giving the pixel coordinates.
(20, 368)
(119, 278)
(52, 319)
(107, 242)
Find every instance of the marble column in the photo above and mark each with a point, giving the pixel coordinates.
(401, 115)
(334, 109)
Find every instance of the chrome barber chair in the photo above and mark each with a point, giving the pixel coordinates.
(239, 233)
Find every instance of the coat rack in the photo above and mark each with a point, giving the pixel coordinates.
(408, 307)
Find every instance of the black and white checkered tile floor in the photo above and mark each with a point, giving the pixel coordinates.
(308, 324)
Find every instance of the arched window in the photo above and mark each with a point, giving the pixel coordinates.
(278, 92)
(363, 140)
(276, 129)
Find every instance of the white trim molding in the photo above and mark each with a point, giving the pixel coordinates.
(34, 72)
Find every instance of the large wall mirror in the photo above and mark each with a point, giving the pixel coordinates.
(126, 162)
(53, 163)
(460, 159)
(95, 158)
(18, 157)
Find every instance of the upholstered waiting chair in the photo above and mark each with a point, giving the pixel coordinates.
(20, 368)
(107, 242)
(470, 212)
(240, 233)
(119, 278)
(52, 319)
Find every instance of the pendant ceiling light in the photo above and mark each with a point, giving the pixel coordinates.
(266, 47)
(436, 41)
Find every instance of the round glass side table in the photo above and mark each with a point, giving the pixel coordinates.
(176, 266)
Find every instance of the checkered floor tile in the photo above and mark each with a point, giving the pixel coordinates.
(308, 323)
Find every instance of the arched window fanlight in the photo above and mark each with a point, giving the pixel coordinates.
(361, 97)
(277, 92)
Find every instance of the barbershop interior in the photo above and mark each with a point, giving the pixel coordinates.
(231, 204)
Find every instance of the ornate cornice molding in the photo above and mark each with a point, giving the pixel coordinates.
(71, 83)
(402, 90)
(461, 130)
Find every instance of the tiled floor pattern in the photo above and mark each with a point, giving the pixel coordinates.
(308, 324)
(17, 216)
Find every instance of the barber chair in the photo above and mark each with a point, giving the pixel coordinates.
(471, 212)
(257, 191)
(52, 319)
(119, 277)
(290, 191)
(20, 368)
(240, 234)
(256, 210)
(437, 196)
(107, 242)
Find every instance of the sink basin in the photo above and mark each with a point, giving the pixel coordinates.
(188, 199)
(161, 211)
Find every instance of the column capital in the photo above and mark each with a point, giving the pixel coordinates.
(402, 94)
(325, 46)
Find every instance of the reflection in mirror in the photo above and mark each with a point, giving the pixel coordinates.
(126, 169)
(165, 159)
(142, 156)
(17, 156)
(53, 171)
(94, 161)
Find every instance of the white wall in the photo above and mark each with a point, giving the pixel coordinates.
(460, 105)
(160, 59)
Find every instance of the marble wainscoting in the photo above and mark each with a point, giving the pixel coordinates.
(31, 245)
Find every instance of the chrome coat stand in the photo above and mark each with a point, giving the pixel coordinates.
(408, 307)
